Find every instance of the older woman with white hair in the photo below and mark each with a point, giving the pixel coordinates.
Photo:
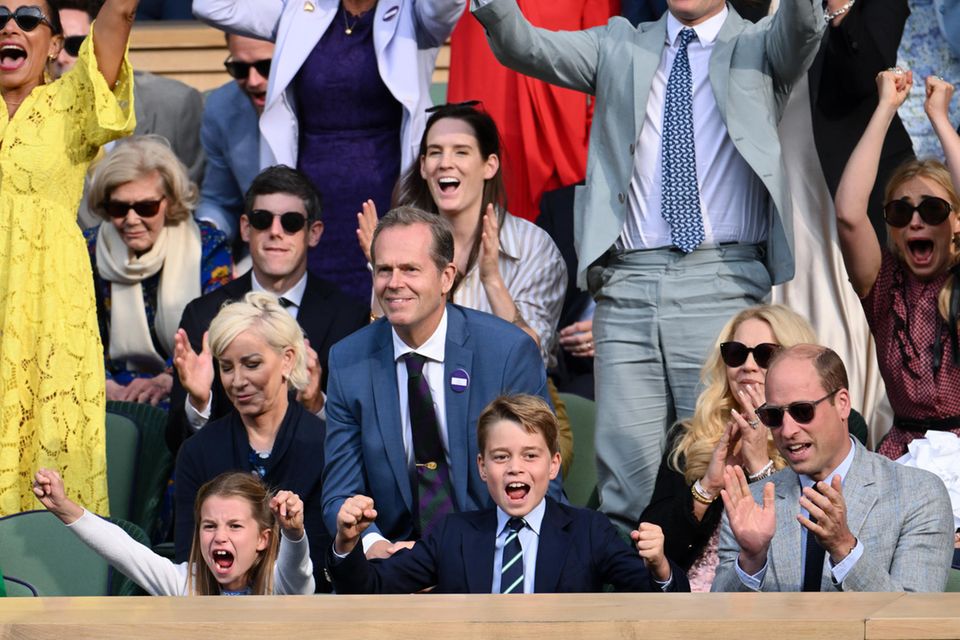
(150, 258)
(261, 354)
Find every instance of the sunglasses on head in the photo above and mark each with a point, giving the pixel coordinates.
(291, 221)
(898, 213)
(735, 354)
(241, 70)
(27, 18)
(71, 44)
(144, 208)
(802, 412)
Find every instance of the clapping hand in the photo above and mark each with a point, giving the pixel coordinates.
(195, 369)
(753, 525)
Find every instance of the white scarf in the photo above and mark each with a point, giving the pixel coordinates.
(176, 254)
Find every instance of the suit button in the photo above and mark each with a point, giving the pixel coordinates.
(632, 148)
(620, 197)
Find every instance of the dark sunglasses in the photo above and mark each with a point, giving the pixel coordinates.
(71, 44)
(802, 411)
(144, 208)
(241, 70)
(735, 354)
(27, 18)
(291, 221)
(898, 213)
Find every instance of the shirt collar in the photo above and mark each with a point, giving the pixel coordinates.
(706, 31)
(533, 519)
(433, 349)
(294, 294)
(841, 470)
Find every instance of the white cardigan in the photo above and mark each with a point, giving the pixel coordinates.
(407, 37)
(292, 574)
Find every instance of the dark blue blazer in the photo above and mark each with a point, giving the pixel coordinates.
(364, 447)
(579, 551)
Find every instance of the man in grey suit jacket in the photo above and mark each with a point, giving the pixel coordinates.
(839, 518)
(661, 299)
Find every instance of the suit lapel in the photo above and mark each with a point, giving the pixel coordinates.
(300, 31)
(387, 401)
(859, 490)
(720, 58)
(786, 553)
(479, 539)
(458, 357)
(312, 316)
(650, 41)
(553, 546)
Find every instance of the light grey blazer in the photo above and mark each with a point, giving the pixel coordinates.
(752, 69)
(902, 515)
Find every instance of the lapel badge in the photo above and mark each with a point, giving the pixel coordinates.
(459, 381)
(308, 6)
(391, 13)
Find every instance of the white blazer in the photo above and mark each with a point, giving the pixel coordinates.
(407, 35)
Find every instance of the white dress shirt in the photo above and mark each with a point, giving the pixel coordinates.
(733, 201)
(529, 542)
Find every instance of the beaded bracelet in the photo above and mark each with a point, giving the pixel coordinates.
(765, 472)
(830, 15)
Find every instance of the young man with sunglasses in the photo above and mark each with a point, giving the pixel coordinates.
(231, 137)
(839, 517)
(281, 222)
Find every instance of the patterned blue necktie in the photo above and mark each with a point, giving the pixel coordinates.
(511, 573)
(433, 487)
(680, 194)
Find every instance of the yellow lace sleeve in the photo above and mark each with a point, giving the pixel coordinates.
(113, 114)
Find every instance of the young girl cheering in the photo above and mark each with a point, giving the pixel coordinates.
(910, 290)
(245, 542)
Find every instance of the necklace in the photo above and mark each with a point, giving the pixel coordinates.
(347, 27)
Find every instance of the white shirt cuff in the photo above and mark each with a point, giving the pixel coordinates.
(370, 539)
(322, 414)
(839, 571)
(197, 419)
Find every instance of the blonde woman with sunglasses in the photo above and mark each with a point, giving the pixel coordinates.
(724, 430)
(51, 361)
(910, 289)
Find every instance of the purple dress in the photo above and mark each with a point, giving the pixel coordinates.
(349, 144)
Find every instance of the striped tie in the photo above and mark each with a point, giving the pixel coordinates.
(511, 574)
(433, 488)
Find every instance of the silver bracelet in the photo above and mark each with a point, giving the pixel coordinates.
(765, 472)
(829, 16)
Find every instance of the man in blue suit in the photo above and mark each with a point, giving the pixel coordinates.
(684, 219)
(468, 358)
(527, 544)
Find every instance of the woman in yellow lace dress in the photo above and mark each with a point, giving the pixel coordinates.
(51, 361)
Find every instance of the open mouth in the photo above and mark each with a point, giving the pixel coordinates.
(223, 559)
(12, 57)
(517, 490)
(921, 251)
(798, 451)
(448, 185)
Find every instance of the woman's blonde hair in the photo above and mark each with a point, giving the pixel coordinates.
(235, 484)
(136, 158)
(262, 313)
(699, 435)
(936, 172)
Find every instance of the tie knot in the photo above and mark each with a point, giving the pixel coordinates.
(516, 524)
(414, 362)
(686, 36)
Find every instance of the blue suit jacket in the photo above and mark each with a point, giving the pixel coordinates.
(231, 140)
(364, 447)
(579, 551)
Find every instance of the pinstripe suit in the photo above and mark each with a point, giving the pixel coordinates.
(901, 515)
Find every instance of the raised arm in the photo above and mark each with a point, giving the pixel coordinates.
(939, 93)
(435, 20)
(251, 18)
(565, 58)
(858, 242)
(793, 40)
(111, 34)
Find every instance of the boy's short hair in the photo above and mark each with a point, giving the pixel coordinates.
(530, 412)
